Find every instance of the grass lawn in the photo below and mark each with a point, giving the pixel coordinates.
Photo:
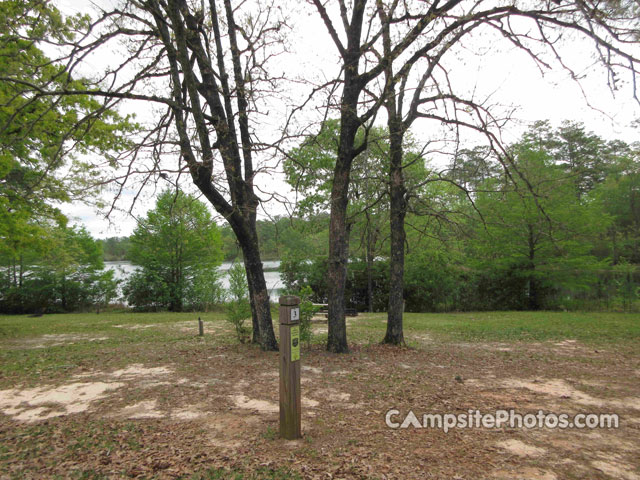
(530, 326)
(129, 395)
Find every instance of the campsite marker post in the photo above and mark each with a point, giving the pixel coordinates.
(290, 404)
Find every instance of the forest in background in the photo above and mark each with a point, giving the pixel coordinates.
(568, 238)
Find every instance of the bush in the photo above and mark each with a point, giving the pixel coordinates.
(307, 311)
(298, 274)
(145, 290)
(238, 308)
(435, 283)
(204, 292)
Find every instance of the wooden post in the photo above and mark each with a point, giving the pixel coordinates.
(200, 327)
(290, 403)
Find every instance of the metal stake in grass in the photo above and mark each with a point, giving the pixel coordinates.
(200, 327)
(290, 401)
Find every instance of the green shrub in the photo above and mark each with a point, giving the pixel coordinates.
(238, 308)
(307, 311)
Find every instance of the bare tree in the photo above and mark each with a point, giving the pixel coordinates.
(407, 43)
(433, 97)
(357, 108)
(205, 66)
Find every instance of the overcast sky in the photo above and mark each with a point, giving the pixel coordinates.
(506, 73)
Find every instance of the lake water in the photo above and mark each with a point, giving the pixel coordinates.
(274, 282)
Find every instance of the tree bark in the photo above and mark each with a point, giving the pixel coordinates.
(353, 84)
(398, 210)
(258, 294)
(338, 257)
(21, 271)
(534, 297)
(255, 325)
(369, 266)
(397, 194)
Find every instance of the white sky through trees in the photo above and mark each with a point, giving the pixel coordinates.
(490, 69)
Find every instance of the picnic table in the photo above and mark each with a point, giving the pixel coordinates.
(323, 308)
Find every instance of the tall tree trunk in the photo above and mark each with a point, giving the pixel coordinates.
(196, 78)
(63, 293)
(245, 230)
(338, 228)
(21, 271)
(338, 257)
(243, 223)
(353, 85)
(369, 254)
(15, 270)
(398, 210)
(258, 293)
(534, 294)
(397, 202)
(255, 326)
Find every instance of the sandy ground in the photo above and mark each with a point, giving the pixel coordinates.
(219, 407)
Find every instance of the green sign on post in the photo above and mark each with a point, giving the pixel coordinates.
(295, 343)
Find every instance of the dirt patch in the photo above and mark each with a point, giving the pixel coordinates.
(191, 326)
(138, 326)
(498, 347)
(422, 338)
(33, 404)
(560, 388)
(253, 404)
(616, 470)
(520, 448)
(145, 377)
(189, 413)
(310, 369)
(502, 348)
(229, 431)
(54, 340)
(554, 387)
(139, 371)
(570, 347)
(187, 326)
(333, 396)
(525, 473)
(151, 409)
(309, 402)
(144, 409)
